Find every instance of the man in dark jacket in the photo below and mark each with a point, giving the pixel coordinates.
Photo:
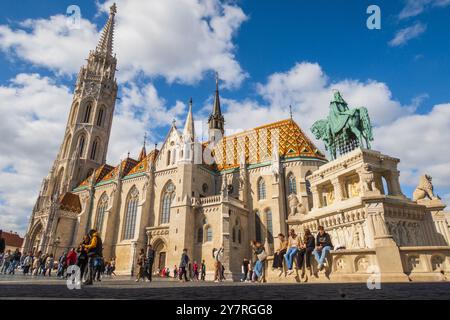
(95, 253)
(323, 247)
(149, 262)
(2, 243)
(184, 263)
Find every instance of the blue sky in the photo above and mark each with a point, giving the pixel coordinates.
(269, 54)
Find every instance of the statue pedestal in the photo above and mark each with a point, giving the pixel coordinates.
(358, 200)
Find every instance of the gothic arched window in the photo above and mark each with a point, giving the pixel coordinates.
(131, 214)
(292, 184)
(261, 189)
(100, 117)
(66, 146)
(209, 234)
(87, 113)
(307, 182)
(168, 157)
(200, 235)
(73, 117)
(168, 195)
(94, 150)
(102, 206)
(81, 143)
(269, 224)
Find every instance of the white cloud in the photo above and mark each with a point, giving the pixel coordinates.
(404, 35)
(416, 7)
(50, 43)
(34, 109)
(177, 39)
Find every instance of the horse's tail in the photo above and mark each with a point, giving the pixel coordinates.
(366, 125)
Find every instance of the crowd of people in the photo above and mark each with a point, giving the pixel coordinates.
(300, 250)
(88, 257)
(293, 249)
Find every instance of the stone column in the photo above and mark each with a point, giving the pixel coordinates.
(394, 184)
(337, 186)
(387, 252)
(317, 203)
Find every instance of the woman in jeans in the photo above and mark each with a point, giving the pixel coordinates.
(306, 249)
(260, 255)
(293, 245)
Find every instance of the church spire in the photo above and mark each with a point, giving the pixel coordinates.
(216, 121)
(189, 131)
(105, 44)
(216, 108)
(143, 153)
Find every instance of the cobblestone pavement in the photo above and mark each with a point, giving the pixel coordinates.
(19, 287)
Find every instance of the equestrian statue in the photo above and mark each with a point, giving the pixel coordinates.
(343, 127)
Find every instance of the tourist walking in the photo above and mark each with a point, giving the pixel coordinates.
(49, 263)
(323, 247)
(36, 264)
(94, 252)
(15, 261)
(304, 254)
(82, 257)
(175, 272)
(203, 271)
(7, 256)
(245, 264)
(260, 253)
(293, 245)
(217, 255)
(62, 265)
(278, 256)
(195, 270)
(27, 263)
(140, 266)
(184, 263)
(149, 262)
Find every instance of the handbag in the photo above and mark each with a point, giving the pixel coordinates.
(262, 256)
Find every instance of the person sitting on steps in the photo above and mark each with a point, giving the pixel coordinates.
(279, 254)
(293, 244)
(323, 247)
(306, 249)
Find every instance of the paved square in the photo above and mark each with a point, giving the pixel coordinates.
(19, 287)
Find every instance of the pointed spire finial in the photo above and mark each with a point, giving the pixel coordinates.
(217, 81)
(145, 138)
(105, 44)
(113, 9)
(128, 156)
(290, 111)
(188, 132)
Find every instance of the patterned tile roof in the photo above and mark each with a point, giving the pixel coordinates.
(257, 146)
(142, 166)
(127, 165)
(100, 173)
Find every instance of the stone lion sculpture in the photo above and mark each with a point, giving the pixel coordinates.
(424, 189)
(295, 206)
(368, 179)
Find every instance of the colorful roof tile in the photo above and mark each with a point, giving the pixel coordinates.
(257, 146)
(70, 202)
